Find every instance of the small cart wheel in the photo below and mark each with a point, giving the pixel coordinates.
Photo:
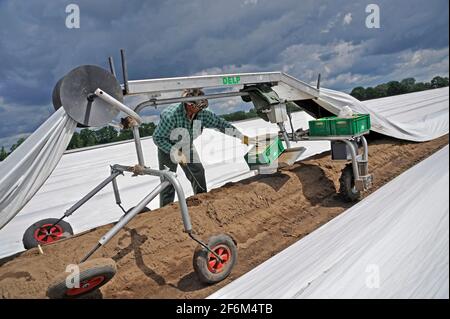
(144, 210)
(208, 267)
(43, 232)
(348, 189)
(92, 275)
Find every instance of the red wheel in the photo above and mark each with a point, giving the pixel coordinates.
(209, 268)
(92, 275)
(86, 286)
(216, 265)
(46, 232)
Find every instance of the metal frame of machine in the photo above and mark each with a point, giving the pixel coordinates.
(162, 91)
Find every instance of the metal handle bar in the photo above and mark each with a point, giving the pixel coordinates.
(119, 105)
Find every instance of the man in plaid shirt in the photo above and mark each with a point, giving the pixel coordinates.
(185, 122)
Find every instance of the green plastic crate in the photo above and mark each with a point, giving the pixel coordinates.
(320, 127)
(265, 153)
(335, 126)
(350, 126)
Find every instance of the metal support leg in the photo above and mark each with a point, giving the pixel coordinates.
(285, 134)
(116, 192)
(91, 194)
(87, 197)
(117, 195)
(365, 149)
(171, 177)
(137, 143)
(354, 160)
(205, 246)
(126, 218)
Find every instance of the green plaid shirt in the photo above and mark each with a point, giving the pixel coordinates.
(174, 116)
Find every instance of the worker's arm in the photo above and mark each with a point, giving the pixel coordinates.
(212, 120)
(161, 136)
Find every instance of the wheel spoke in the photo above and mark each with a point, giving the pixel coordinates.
(212, 263)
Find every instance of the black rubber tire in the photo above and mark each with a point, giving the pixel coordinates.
(144, 210)
(201, 257)
(29, 240)
(104, 268)
(347, 188)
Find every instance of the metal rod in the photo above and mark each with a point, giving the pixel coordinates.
(126, 218)
(354, 161)
(172, 178)
(116, 192)
(124, 71)
(119, 105)
(123, 209)
(285, 134)
(366, 148)
(111, 66)
(206, 247)
(221, 80)
(294, 138)
(93, 250)
(155, 102)
(147, 171)
(89, 195)
(137, 143)
(318, 82)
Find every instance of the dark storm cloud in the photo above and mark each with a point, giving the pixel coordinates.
(174, 38)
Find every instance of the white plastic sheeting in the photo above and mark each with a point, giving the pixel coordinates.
(393, 244)
(420, 116)
(24, 171)
(80, 171)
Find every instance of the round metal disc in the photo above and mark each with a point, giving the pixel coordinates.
(78, 85)
(56, 98)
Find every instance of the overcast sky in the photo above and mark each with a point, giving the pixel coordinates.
(178, 38)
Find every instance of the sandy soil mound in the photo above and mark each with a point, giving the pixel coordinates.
(264, 214)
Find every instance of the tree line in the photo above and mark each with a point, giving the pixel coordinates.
(108, 134)
(391, 88)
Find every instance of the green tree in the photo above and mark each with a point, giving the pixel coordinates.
(125, 135)
(106, 134)
(381, 90)
(359, 93)
(394, 88)
(371, 93)
(88, 137)
(439, 82)
(147, 129)
(15, 146)
(3, 154)
(420, 86)
(408, 84)
(75, 142)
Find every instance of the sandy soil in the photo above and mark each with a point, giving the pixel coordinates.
(264, 214)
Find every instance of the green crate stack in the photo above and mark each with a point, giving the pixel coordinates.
(265, 154)
(336, 126)
(320, 127)
(360, 123)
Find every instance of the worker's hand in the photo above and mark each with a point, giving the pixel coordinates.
(248, 140)
(181, 159)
